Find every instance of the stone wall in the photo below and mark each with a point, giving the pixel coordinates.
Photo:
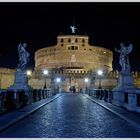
(6, 77)
(109, 80)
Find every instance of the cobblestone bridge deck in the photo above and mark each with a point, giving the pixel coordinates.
(72, 116)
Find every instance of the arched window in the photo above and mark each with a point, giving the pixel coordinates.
(62, 40)
(72, 47)
(69, 40)
(83, 40)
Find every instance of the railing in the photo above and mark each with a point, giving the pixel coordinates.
(9, 102)
(129, 99)
(102, 94)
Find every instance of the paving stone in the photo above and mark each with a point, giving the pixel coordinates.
(72, 116)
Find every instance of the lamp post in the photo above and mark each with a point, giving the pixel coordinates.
(29, 73)
(100, 73)
(86, 81)
(45, 72)
(58, 80)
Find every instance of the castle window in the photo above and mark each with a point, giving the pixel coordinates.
(90, 49)
(69, 40)
(83, 45)
(84, 49)
(61, 44)
(62, 40)
(73, 48)
(76, 48)
(76, 40)
(83, 40)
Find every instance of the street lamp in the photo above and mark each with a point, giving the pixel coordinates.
(86, 81)
(45, 72)
(100, 73)
(58, 80)
(28, 73)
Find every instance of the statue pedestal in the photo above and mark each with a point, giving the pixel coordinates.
(91, 89)
(125, 86)
(125, 82)
(20, 82)
(21, 91)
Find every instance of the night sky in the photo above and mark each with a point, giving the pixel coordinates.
(39, 24)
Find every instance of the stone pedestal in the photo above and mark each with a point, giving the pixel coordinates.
(52, 87)
(132, 101)
(60, 87)
(125, 81)
(20, 85)
(84, 87)
(20, 82)
(91, 88)
(125, 85)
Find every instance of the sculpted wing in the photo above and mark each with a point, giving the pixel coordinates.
(129, 48)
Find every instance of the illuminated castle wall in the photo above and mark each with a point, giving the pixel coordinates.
(75, 53)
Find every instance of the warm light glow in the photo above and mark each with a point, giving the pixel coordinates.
(100, 72)
(29, 72)
(45, 72)
(58, 79)
(86, 80)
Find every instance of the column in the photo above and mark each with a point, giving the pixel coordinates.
(84, 87)
(60, 86)
(131, 101)
(91, 89)
(52, 87)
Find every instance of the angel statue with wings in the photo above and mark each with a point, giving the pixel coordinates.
(124, 59)
(23, 56)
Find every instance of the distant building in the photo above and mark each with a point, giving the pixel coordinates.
(72, 58)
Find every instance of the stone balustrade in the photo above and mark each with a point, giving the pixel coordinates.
(8, 100)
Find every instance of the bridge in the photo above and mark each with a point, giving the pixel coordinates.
(69, 115)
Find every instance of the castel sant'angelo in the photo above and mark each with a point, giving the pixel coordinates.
(71, 59)
(72, 52)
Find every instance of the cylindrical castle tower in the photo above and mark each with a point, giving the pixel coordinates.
(73, 52)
